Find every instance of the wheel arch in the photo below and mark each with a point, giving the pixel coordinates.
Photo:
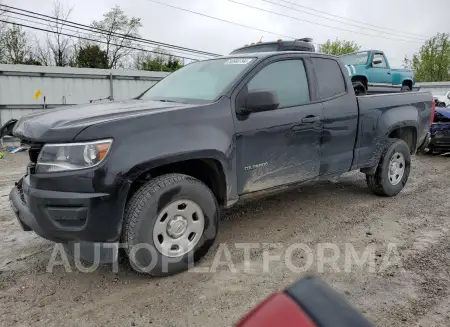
(361, 78)
(209, 166)
(408, 82)
(407, 134)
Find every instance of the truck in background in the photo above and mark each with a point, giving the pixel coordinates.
(372, 69)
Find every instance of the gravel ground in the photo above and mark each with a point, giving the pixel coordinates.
(411, 289)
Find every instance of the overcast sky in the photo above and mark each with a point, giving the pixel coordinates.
(164, 24)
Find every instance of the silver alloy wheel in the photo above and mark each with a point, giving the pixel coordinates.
(396, 168)
(178, 228)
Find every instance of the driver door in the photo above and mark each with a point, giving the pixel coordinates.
(280, 146)
(380, 72)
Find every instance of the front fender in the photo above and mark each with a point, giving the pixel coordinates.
(144, 143)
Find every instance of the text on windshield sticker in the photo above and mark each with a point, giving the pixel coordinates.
(238, 61)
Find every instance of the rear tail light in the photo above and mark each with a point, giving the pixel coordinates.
(433, 110)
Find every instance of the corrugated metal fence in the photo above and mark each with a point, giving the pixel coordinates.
(24, 89)
(439, 87)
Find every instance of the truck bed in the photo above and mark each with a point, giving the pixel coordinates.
(377, 111)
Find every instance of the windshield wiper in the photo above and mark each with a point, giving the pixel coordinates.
(163, 100)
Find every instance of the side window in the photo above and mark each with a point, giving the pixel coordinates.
(329, 77)
(287, 78)
(379, 56)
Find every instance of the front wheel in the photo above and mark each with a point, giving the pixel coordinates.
(392, 171)
(169, 224)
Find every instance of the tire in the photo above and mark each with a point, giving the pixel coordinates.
(157, 204)
(359, 88)
(405, 88)
(440, 104)
(380, 183)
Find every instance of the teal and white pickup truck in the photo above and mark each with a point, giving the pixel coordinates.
(371, 68)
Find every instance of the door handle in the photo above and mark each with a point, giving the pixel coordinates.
(310, 119)
(389, 73)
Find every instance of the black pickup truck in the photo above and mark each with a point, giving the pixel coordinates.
(152, 173)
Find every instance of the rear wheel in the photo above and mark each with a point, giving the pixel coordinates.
(170, 223)
(359, 88)
(392, 171)
(406, 88)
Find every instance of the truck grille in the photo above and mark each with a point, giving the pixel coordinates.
(34, 150)
(20, 189)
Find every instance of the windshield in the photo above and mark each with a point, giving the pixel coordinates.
(203, 80)
(359, 58)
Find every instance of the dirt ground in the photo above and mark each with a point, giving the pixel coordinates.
(415, 291)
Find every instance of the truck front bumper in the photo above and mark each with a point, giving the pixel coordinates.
(68, 217)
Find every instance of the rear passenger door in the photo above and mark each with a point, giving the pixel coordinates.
(281, 146)
(340, 117)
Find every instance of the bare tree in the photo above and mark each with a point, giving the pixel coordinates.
(2, 34)
(57, 48)
(42, 52)
(118, 33)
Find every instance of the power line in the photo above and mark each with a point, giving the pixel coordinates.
(315, 23)
(98, 30)
(349, 19)
(222, 20)
(76, 31)
(88, 39)
(334, 20)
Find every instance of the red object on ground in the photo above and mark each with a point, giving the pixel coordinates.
(277, 310)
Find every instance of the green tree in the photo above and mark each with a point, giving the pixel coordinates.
(120, 31)
(16, 47)
(160, 60)
(91, 56)
(339, 47)
(432, 62)
(173, 64)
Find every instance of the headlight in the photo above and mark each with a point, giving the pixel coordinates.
(71, 156)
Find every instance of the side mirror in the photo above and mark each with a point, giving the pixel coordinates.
(261, 100)
(377, 62)
(7, 129)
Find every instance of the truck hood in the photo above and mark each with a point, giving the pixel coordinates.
(356, 69)
(64, 123)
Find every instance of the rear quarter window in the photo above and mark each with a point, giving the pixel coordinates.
(329, 77)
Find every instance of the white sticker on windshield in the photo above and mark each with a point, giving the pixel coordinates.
(238, 61)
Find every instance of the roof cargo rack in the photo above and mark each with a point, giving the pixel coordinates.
(303, 44)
